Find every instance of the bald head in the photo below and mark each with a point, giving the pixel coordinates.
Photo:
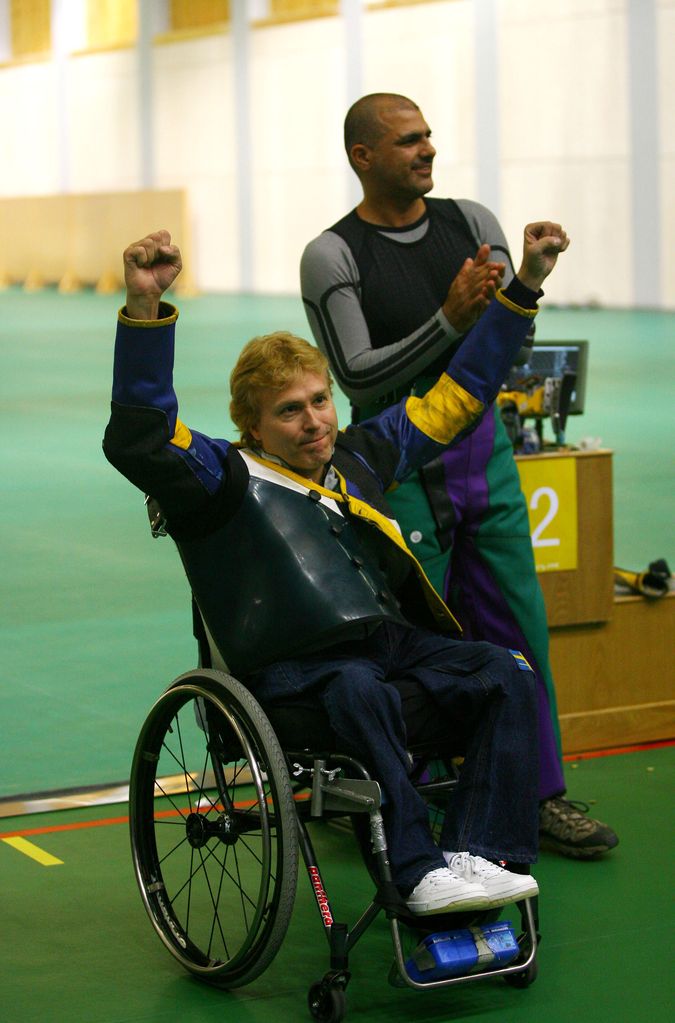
(364, 124)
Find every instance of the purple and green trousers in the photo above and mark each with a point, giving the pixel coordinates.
(465, 519)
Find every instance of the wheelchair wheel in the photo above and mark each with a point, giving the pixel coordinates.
(327, 1003)
(213, 828)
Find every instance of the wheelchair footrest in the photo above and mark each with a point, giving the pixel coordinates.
(512, 958)
(467, 950)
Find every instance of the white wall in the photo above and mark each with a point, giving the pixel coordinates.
(666, 127)
(298, 102)
(103, 142)
(565, 138)
(29, 143)
(428, 53)
(561, 143)
(193, 116)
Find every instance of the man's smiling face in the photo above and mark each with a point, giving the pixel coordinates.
(299, 424)
(401, 160)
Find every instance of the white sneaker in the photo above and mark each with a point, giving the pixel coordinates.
(501, 885)
(443, 891)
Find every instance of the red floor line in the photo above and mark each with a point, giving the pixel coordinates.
(641, 748)
(107, 821)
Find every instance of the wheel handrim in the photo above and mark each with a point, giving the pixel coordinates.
(206, 852)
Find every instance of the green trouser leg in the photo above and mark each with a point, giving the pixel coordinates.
(484, 565)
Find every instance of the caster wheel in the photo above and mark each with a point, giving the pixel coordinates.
(524, 979)
(326, 1004)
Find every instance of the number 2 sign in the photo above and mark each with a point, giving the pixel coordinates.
(550, 488)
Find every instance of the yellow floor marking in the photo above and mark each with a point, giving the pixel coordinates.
(26, 847)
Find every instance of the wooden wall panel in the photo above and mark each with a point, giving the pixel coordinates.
(188, 14)
(72, 240)
(31, 31)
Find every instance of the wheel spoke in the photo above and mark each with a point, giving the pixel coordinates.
(215, 888)
(214, 901)
(191, 784)
(216, 919)
(181, 761)
(174, 849)
(167, 795)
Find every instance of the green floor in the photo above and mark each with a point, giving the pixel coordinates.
(78, 948)
(96, 622)
(95, 613)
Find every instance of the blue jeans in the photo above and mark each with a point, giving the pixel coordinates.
(488, 698)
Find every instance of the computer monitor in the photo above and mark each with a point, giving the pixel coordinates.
(554, 359)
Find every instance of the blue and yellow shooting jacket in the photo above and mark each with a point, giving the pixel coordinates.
(278, 565)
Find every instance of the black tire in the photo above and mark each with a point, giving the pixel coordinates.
(326, 1004)
(213, 828)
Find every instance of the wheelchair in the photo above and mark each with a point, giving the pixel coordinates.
(220, 796)
(218, 817)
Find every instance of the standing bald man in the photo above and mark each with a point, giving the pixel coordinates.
(390, 291)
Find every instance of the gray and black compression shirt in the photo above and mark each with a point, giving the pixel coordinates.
(373, 296)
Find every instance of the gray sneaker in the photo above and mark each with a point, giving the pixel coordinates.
(566, 828)
(442, 891)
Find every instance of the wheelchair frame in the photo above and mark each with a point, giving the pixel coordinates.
(217, 813)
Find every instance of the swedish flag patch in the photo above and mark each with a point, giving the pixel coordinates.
(520, 660)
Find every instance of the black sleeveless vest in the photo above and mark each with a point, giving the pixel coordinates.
(404, 283)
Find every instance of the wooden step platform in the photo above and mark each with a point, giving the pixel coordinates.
(615, 681)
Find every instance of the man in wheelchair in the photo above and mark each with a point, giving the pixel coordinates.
(316, 591)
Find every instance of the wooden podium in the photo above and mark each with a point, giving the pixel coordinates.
(616, 681)
(584, 593)
(612, 657)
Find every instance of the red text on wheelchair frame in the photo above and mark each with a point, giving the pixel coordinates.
(320, 896)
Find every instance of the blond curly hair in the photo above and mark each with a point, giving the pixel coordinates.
(270, 362)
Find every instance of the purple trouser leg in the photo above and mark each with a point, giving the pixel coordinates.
(491, 582)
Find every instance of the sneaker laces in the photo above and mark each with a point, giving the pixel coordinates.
(437, 877)
(569, 804)
(476, 866)
(565, 817)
